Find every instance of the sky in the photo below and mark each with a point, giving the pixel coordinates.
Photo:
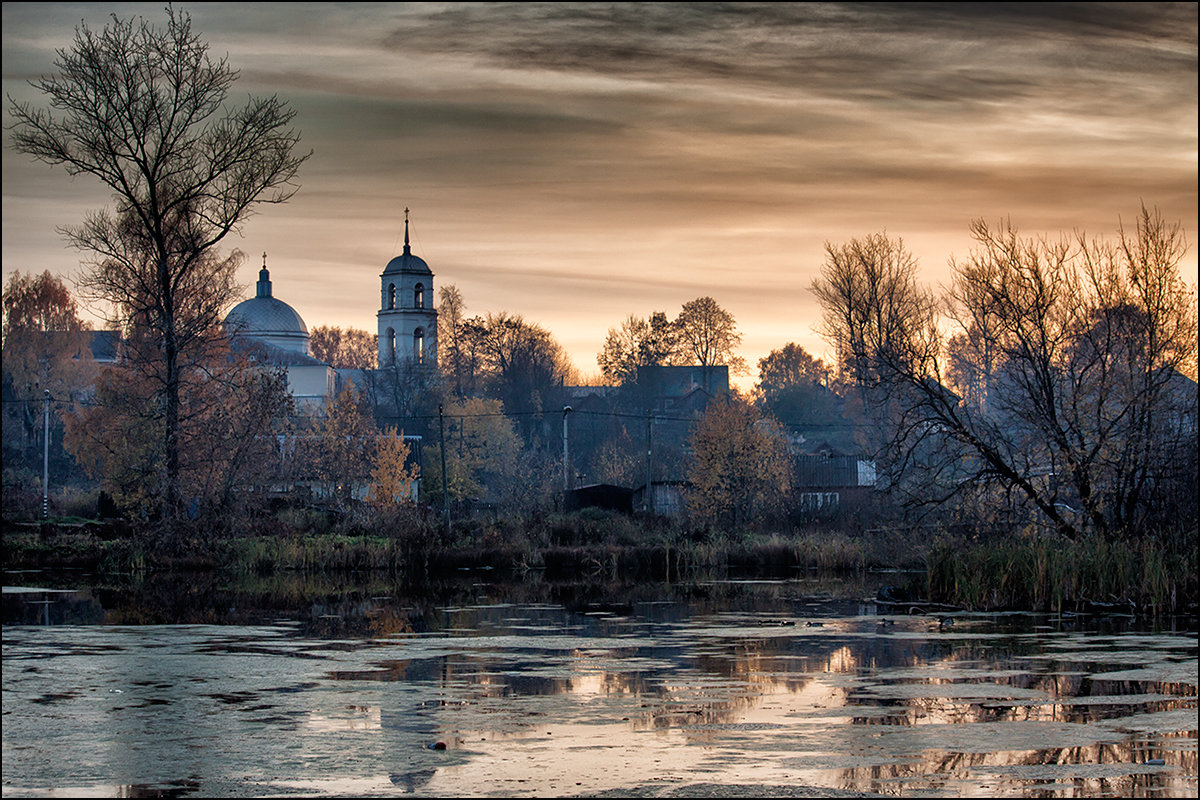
(578, 163)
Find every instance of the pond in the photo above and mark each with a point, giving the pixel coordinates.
(187, 685)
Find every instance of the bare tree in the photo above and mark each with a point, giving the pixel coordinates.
(875, 313)
(1094, 348)
(1076, 359)
(144, 110)
(707, 335)
(458, 359)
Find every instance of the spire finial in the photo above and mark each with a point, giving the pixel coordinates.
(263, 289)
(406, 249)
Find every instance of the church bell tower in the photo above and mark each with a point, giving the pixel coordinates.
(407, 313)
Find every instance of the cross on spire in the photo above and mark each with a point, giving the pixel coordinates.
(263, 287)
(406, 248)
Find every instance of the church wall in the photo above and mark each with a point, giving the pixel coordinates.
(311, 385)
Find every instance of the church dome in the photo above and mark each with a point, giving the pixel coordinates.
(268, 319)
(408, 264)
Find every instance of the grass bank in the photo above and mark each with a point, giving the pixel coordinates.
(972, 572)
(1042, 573)
(409, 542)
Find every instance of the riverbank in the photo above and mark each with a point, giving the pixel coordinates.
(970, 572)
(566, 543)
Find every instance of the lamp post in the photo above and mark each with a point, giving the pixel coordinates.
(566, 453)
(45, 453)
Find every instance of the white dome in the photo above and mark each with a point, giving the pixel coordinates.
(268, 319)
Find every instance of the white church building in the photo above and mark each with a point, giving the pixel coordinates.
(274, 333)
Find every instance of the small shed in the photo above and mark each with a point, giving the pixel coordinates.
(666, 498)
(600, 495)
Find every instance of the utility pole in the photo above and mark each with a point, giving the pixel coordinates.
(445, 486)
(46, 454)
(566, 454)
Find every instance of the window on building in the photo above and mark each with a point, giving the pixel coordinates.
(419, 345)
(391, 345)
(812, 502)
(419, 296)
(391, 296)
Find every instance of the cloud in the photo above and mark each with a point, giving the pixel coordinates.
(575, 163)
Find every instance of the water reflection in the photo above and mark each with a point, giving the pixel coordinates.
(473, 688)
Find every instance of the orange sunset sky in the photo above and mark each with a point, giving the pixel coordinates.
(577, 163)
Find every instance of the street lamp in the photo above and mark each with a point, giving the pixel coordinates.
(566, 453)
(45, 454)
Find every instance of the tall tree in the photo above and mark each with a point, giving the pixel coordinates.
(45, 348)
(522, 365)
(457, 358)
(874, 308)
(707, 335)
(145, 111)
(794, 388)
(789, 366)
(637, 342)
(44, 339)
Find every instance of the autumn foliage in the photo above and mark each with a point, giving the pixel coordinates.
(740, 471)
(393, 477)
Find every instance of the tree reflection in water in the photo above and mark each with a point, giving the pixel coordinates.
(538, 687)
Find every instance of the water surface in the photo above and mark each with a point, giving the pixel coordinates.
(550, 691)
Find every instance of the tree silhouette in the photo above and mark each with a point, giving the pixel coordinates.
(144, 110)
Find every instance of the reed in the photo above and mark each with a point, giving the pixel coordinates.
(1046, 574)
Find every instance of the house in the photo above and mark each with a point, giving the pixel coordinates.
(681, 390)
(826, 480)
(105, 346)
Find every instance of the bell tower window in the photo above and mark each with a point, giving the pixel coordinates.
(419, 345)
(391, 296)
(419, 296)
